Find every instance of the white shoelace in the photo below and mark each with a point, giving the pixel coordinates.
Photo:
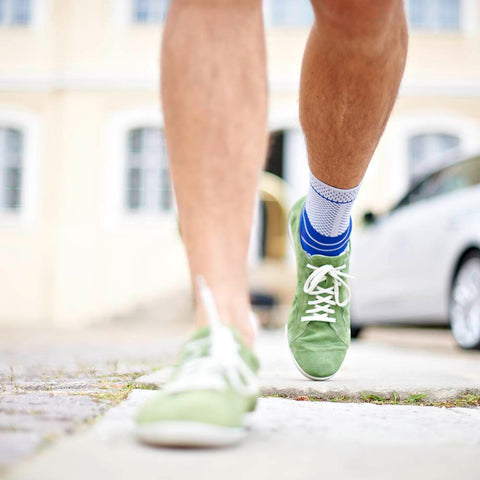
(325, 298)
(223, 366)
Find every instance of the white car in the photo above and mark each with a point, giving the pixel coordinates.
(420, 262)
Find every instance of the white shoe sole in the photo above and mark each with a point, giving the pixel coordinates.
(188, 434)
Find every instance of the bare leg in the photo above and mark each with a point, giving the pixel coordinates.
(214, 97)
(351, 72)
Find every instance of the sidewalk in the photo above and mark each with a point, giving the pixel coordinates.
(348, 437)
(384, 371)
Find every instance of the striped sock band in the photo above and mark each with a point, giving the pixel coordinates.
(326, 225)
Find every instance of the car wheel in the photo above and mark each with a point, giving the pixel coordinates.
(465, 302)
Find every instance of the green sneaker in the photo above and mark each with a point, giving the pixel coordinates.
(212, 387)
(318, 328)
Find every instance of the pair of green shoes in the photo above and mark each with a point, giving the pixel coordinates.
(214, 384)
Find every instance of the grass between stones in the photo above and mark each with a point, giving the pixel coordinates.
(113, 392)
(115, 395)
(464, 400)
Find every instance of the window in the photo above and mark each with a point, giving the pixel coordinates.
(15, 12)
(290, 13)
(11, 152)
(425, 149)
(149, 11)
(148, 182)
(450, 179)
(455, 177)
(434, 14)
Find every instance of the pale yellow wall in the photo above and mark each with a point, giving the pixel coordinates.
(71, 265)
(28, 50)
(444, 56)
(26, 252)
(102, 269)
(81, 39)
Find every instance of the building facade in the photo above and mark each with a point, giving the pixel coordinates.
(87, 219)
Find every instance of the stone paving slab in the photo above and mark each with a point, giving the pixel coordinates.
(17, 444)
(370, 368)
(287, 440)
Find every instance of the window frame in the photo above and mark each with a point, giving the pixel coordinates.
(436, 8)
(39, 11)
(162, 168)
(115, 213)
(9, 10)
(148, 21)
(467, 21)
(269, 21)
(28, 124)
(5, 167)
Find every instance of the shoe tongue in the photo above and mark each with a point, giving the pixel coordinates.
(320, 260)
(204, 332)
(246, 353)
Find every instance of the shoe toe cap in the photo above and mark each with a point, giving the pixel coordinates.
(318, 364)
(219, 408)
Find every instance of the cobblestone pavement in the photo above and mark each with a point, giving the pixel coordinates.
(53, 382)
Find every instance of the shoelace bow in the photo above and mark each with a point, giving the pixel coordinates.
(325, 298)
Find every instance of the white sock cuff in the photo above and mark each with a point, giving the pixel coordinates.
(333, 194)
(328, 208)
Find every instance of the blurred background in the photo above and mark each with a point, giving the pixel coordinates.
(88, 228)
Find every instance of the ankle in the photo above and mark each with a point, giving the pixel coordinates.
(240, 318)
(247, 331)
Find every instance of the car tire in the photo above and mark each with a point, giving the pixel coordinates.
(465, 302)
(355, 331)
